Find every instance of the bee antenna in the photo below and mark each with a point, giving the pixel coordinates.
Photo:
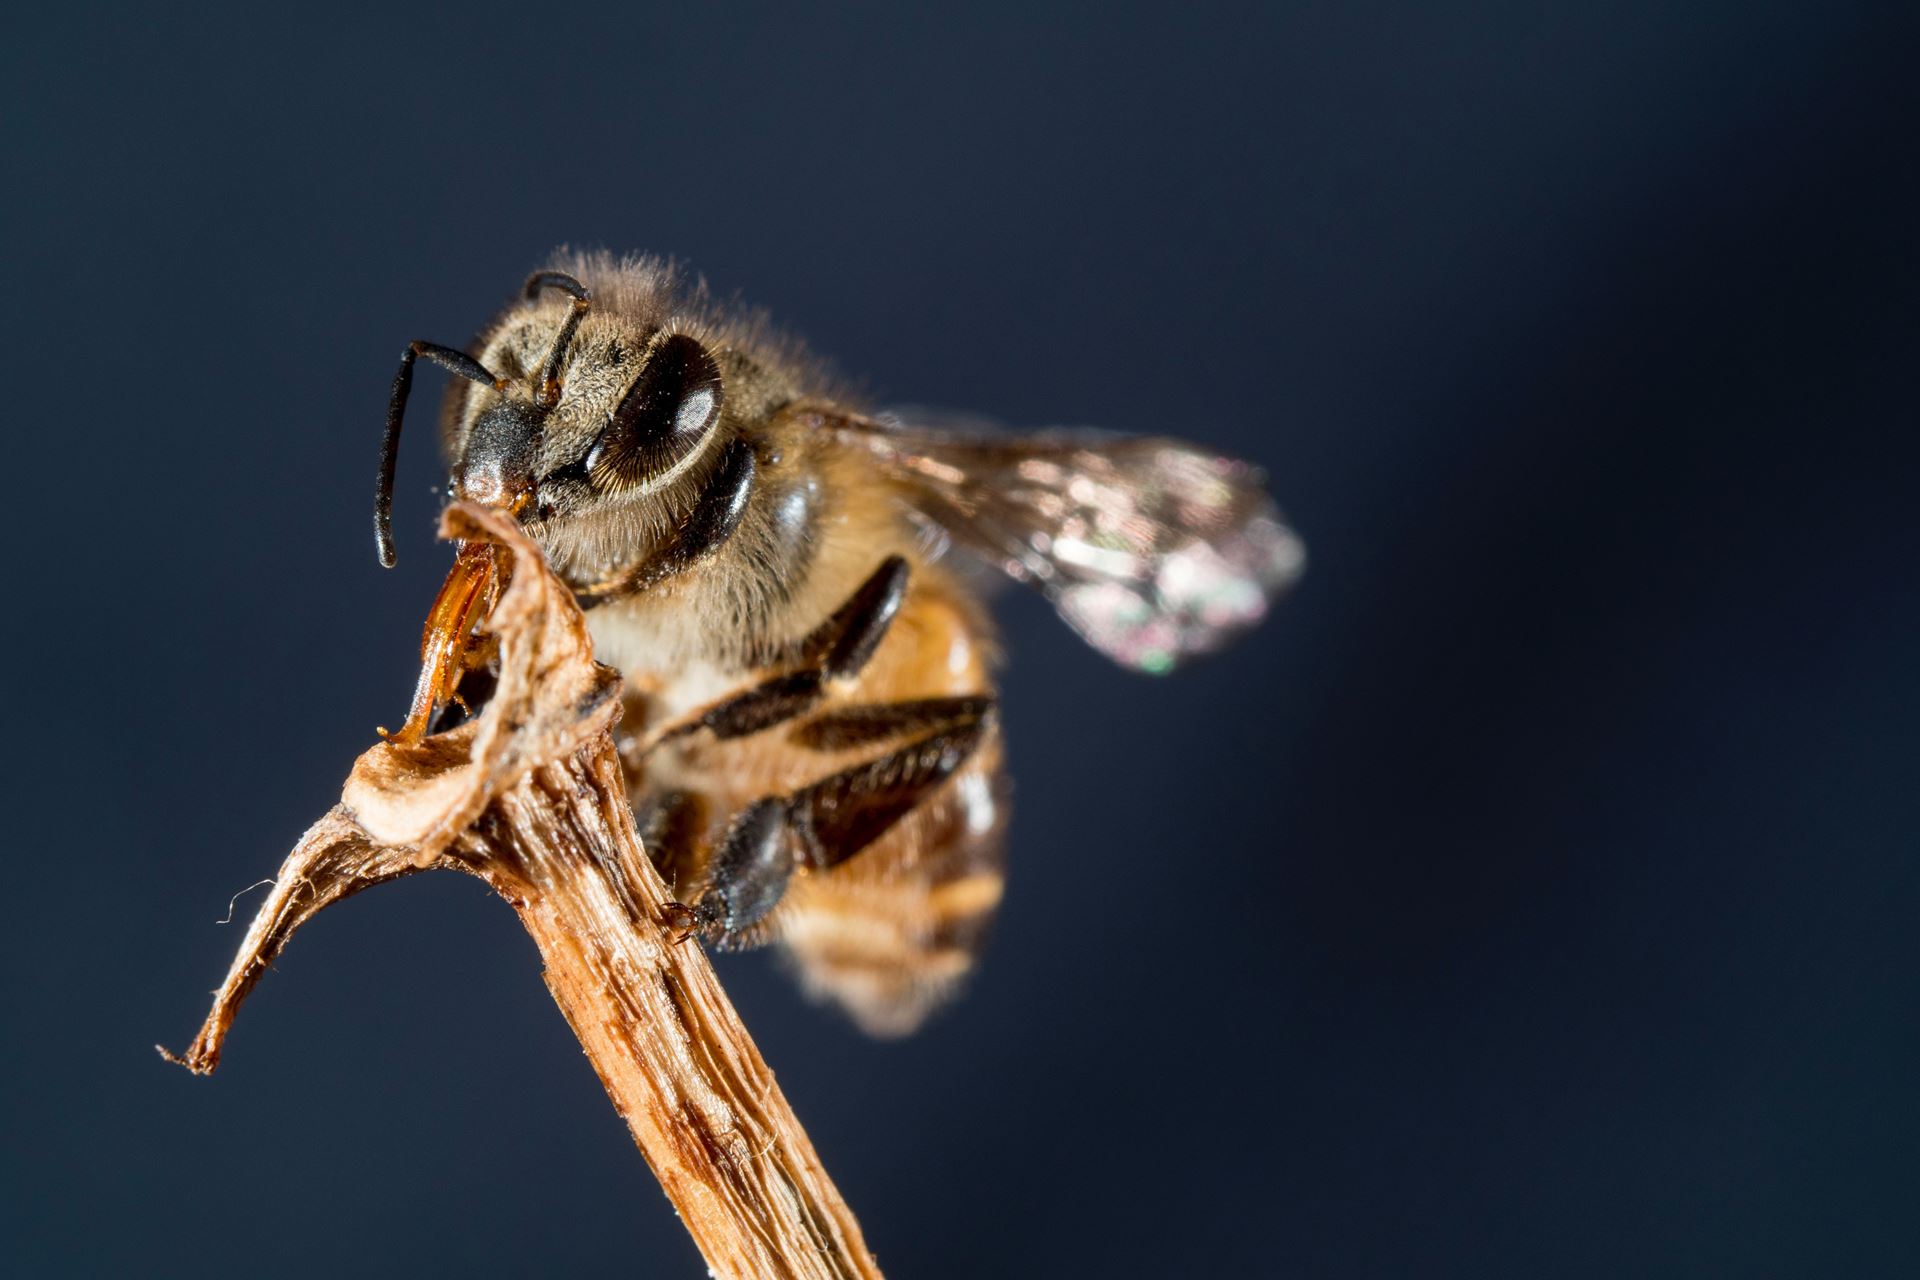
(582, 299)
(457, 362)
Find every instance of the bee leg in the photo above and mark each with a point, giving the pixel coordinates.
(870, 724)
(823, 825)
(671, 825)
(842, 644)
(838, 649)
(748, 875)
(773, 701)
(842, 814)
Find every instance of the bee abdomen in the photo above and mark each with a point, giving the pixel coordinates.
(891, 934)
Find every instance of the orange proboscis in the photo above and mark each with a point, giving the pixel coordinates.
(447, 649)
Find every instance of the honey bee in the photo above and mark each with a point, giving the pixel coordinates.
(785, 581)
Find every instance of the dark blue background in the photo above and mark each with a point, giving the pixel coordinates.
(1536, 896)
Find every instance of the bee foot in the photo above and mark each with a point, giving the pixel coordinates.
(683, 921)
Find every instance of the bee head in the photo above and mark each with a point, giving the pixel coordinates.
(639, 416)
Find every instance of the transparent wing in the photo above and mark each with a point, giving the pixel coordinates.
(1152, 549)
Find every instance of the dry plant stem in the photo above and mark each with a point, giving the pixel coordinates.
(530, 798)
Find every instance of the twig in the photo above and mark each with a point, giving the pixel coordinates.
(529, 797)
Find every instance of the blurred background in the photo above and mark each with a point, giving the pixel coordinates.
(1535, 895)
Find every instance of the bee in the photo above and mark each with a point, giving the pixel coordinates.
(789, 585)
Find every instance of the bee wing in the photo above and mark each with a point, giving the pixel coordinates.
(1152, 549)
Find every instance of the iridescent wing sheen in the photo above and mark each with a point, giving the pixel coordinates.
(1151, 548)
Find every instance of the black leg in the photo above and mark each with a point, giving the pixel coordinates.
(842, 645)
(840, 815)
(766, 704)
(825, 824)
(838, 649)
(672, 827)
(749, 873)
(869, 724)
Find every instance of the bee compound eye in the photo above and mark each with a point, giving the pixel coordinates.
(664, 415)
